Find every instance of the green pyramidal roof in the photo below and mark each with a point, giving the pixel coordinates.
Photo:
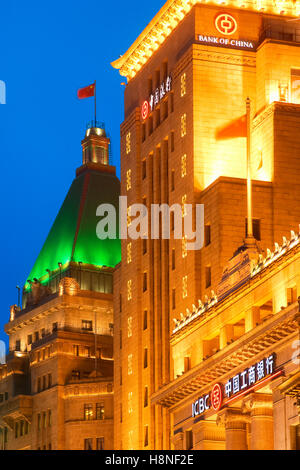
(73, 234)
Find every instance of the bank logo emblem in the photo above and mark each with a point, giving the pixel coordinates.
(226, 24)
(145, 110)
(216, 397)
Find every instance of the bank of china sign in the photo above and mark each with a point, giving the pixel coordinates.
(236, 386)
(226, 25)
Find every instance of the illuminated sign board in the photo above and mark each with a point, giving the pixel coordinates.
(155, 98)
(236, 386)
(226, 25)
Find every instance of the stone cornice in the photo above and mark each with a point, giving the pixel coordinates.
(173, 12)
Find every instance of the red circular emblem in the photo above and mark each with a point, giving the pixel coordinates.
(216, 397)
(145, 110)
(226, 24)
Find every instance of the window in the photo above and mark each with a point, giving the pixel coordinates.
(43, 333)
(183, 85)
(49, 380)
(173, 259)
(184, 287)
(100, 411)
(29, 339)
(18, 345)
(36, 336)
(144, 282)
(146, 397)
(144, 169)
(39, 421)
(121, 413)
(22, 427)
(75, 350)
(183, 166)
(129, 258)
(157, 116)
(75, 375)
(173, 299)
(172, 180)
(187, 363)
(295, 83)
(207, 235)
(88, 444)
(128, 143)
(172, 102)
(143, 132)
(183, 125)
(255, 227)
(88, 412)
(145, 358)
(150, 124)
(207, 277)
(165, 109)
(100, 443)
(128, 180)
(44, 382)
(39, 384)
(87, 351)
(16, 430)
(145, 325)
(87, 325)
(129, 324)
(146, 436)
(54, 327)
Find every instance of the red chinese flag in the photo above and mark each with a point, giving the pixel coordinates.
(86, 92)
(236, 128)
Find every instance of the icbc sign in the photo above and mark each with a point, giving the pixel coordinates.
(226, 24)
(213, 400)
(145, 110)
(216, 397)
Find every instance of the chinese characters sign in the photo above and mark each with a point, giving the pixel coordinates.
(241, 382)
(250, 376)
(156, 97)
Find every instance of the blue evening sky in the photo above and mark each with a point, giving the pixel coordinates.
(48, 51)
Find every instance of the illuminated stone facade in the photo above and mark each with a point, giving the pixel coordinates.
(175, 149)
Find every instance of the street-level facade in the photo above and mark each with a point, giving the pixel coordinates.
(182, 142)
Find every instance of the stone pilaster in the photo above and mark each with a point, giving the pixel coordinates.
(260, 406)
(235, 423)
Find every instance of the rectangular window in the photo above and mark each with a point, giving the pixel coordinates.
(145, 358)
(87, 325)
(295, 84)
(173, 259)
(172, 180)
(157, 117)
(146, 397)
(44, 382)
(207, 276)
(189, 440)
(75, 350)
(43, 332)
(88, 444)
(100, 443)
(145, 319)
(150, 125)
(39, 421)
(172, 141)
(100, 411)
(144, 246)
(44, 420)
(88, 412)
(49, 380)
(87, 351)
(16, 430)
(146, 436)
(39, 384)
(207, 235)
(18, 345)
(36, 336)
(29, 339)
(144, 282)
(187, 363)
(173, 299)
(144, 169)
(54, 327)
(49, 418)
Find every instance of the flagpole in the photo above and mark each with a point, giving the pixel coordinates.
(249, 181)
(95, 105)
